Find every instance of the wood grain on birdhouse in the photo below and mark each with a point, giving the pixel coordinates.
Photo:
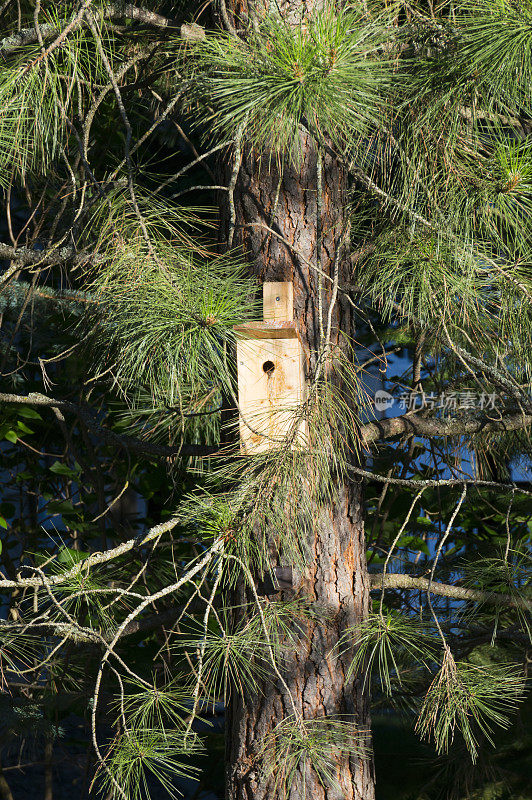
(271, 380)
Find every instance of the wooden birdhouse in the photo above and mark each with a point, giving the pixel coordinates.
(271, 380)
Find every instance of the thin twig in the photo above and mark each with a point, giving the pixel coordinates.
(435, 562)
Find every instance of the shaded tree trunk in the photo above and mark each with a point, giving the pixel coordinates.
(49, 768)
(5, 791)
(286, 201)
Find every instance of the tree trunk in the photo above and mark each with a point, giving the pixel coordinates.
(49, 768)
(5, 791)
(286, 200)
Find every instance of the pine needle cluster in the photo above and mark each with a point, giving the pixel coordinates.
(165, 308)
(297, 745)
(391, 644)
(325, 71)
(241, 658)
(471, 699)
(137, 755)
(39, 93)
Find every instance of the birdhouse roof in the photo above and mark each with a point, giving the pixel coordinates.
(267, 329)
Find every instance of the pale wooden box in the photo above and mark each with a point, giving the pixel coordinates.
(271, 378)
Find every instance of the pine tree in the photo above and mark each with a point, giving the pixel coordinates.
(158, 165)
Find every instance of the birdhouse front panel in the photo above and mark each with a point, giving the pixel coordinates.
(271, 390)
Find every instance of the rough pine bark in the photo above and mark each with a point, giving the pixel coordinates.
(285, 200)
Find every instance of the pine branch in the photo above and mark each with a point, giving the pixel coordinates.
(513, 388)
(27, 256)
(413, 425)
(109, 437)
(16, 293)
(32, 257)
(62, 629)
(371, 432)
(97, 558)
(402, 581)
(113, 11)
(83, 634)
(411, 483)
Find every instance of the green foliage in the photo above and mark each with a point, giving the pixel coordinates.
(84, 596)
(495, 52)
(237, 658)
(154, 707)
(500, 195)
(392, 644)
(469, 698)
(296, 744)
(462, 161)
(233, 660)
(18, 649)
(38, 95)
(506, 574)
(427, 278)
(23, 720)
(139, 754)
(164, 313)
(325, 71)
(443, 283)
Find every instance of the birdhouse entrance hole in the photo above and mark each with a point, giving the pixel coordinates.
(271, 380)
